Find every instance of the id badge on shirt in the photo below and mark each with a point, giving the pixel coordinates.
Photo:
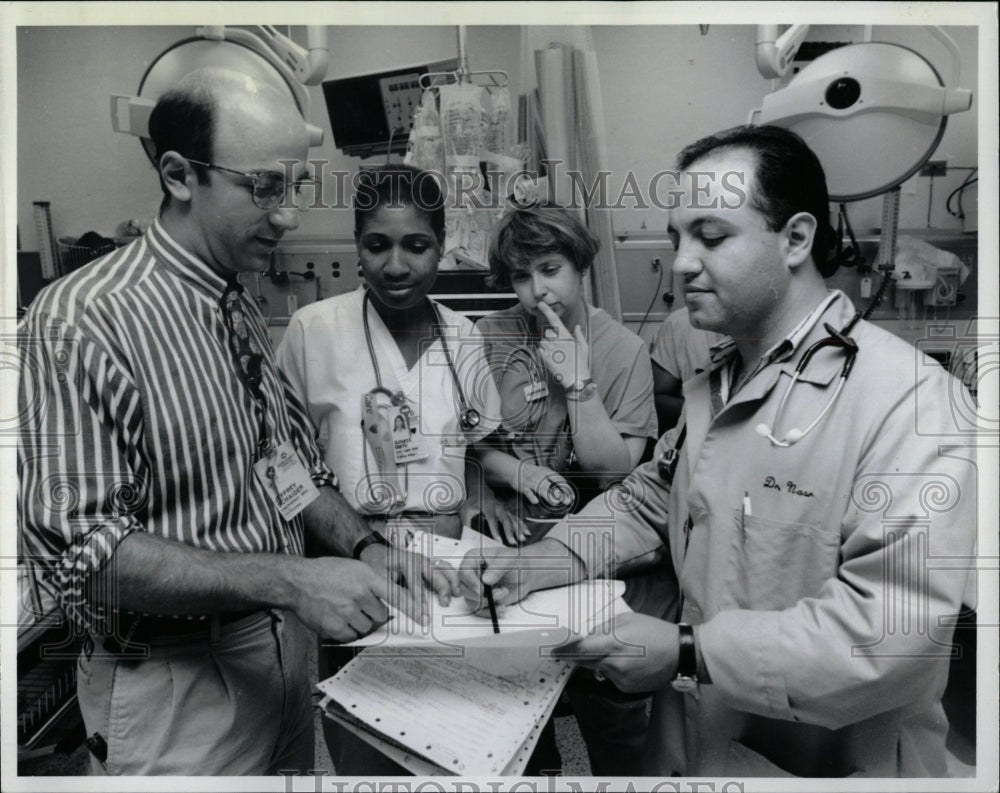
(407, 444)
(535, 391)
(286, 481)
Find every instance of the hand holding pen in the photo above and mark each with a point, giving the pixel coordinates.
(488, 590)
(490, 572)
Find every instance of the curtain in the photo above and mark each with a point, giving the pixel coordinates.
(562, 122)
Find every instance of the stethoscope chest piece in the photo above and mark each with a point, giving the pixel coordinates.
(469, 419)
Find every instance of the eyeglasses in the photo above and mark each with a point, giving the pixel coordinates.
(269, 187)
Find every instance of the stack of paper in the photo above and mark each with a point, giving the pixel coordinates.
(456, 698)
(437, 715)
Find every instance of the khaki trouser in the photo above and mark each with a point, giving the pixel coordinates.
(234, 703)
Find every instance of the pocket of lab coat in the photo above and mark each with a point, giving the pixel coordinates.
(773, 564)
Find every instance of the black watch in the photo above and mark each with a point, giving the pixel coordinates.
(687, 660)
(372, 538)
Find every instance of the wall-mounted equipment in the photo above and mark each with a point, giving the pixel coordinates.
(873, 112)
(372, 114)
(262, 52)
(775, 52)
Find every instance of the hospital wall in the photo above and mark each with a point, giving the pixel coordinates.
(662, 87)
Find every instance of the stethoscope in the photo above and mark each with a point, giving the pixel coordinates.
(835, 339)
(468, 417)
(526, 359)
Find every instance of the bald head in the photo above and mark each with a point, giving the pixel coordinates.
(217, 134)
(211, 107)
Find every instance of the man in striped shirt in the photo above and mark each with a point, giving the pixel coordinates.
(169, 480)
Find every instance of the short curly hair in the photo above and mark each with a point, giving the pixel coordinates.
(528, 232)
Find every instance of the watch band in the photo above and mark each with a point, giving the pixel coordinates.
(687, 660)
(372, 538)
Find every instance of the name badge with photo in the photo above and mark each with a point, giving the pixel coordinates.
(407, 444)
(286, 481)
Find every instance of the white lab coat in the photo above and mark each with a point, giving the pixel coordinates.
(819, 615)
(324, 355)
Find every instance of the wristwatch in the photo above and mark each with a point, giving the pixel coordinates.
(687, 660)
(581, 390)
(372, 538)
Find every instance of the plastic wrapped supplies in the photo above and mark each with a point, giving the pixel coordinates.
(425, 149)
(463, 125)
(470, 127)
(938, 272)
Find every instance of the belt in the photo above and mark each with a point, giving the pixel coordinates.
(143, 630)
(409, 513)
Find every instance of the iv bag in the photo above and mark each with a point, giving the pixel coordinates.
(462, 124)
(497, 122)
(425, 149)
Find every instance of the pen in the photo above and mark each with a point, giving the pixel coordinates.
(489, 598)
(746, 508)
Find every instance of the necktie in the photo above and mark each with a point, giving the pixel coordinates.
(245, 349)
(248, 355)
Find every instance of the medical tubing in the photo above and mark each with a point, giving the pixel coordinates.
(379, 388)
(656, 292)
(876, 301)
(969, 180)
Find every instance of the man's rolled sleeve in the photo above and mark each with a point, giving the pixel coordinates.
(89, 555)
(79, 490)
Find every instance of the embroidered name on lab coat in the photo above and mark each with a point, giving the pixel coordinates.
(790, 487)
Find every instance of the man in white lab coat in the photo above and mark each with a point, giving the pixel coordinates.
(808, 517)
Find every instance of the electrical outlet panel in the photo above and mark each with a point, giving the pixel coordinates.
(306, 270)
(934, 168)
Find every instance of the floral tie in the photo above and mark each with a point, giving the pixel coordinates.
(247, 352)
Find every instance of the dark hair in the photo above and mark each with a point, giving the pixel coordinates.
(183, 121)
(396, 186)
(525, 233)
(789, 179)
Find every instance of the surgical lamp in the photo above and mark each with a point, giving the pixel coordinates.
(264, 53)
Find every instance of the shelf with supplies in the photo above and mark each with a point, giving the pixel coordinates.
(649, 290)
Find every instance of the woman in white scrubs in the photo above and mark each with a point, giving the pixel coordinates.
(385, 357)
(397, 387)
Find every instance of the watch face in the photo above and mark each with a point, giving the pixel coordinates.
(684, 684)
(582, 391)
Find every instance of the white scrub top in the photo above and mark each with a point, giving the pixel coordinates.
(324, 355)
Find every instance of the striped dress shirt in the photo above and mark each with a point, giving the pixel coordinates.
(134, 417)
